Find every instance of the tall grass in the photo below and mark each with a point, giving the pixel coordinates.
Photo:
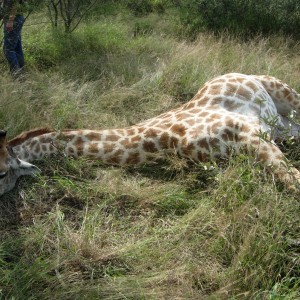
(171, 230)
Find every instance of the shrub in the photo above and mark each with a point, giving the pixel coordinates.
(241, 17)
(144, 7)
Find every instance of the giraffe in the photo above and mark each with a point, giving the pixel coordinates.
(229, 114)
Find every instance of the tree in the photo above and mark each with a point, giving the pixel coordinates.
(70, 12)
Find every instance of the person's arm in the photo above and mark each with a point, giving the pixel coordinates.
(12, 15)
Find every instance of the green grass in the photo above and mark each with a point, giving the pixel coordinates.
(170, 230)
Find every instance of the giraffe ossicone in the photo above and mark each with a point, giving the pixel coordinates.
(232, 112)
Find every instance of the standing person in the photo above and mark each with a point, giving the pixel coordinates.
(13, 23)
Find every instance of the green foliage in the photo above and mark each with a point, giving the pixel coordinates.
(241, 17)
(45, 49)
(144, 7)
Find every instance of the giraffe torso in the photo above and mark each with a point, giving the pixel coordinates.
(229, 111)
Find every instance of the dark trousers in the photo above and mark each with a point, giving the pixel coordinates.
(12, 45)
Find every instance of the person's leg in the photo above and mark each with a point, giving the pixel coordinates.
(10, 40)
(12, 45)
(19, 49)
(19, 53)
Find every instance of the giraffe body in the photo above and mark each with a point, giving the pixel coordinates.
(228, 114)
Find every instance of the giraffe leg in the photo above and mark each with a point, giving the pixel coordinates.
(274, 160)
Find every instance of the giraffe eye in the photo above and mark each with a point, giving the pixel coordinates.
(3, 174)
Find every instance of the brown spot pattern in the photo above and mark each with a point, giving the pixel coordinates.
(93, 136)
(231, 105)
(216, 100)
(213, 143)
(150, 133)
(203, 114)
(216, 126)
(251, 85)
(203, 90)
(178, 129)
(133, 158)
(202, 156)
(190, 105)
(136, 138)
(190, 122)
(203, 144)
(264, 156)
(231, 123)
(228, 135)
(203, 101)
(111, 138)
(115, 159)
(37, 148)
(197, 131)
(230, 89)
(79, 142)
(182, 116)
(108, 148)
(131, 131)
(93, 148)
(149, 146)
(243, 92)
(164, 140)
(286, 92)
(187, 151)
(46, 139)
(173, 142)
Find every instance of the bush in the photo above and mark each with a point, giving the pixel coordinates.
(241, 17)
(144, 7)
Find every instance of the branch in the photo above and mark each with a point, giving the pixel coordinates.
(82, 15)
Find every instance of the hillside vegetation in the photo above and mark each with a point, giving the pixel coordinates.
(169, 230)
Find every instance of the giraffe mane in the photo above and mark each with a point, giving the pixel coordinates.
(21, 138)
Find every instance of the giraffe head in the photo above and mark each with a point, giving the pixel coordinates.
(11, 167)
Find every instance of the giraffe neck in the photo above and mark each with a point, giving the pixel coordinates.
(114, 146)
